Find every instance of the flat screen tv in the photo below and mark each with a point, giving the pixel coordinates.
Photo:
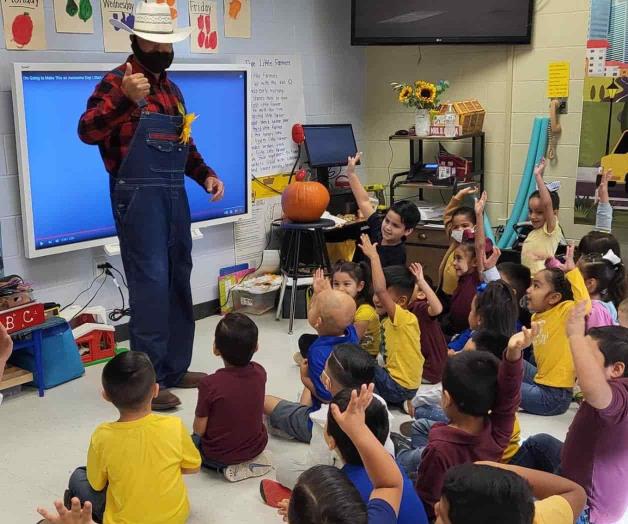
(63, 183)
(413, 22)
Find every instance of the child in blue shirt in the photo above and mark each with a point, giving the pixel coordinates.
(411, 510)
(331, 315)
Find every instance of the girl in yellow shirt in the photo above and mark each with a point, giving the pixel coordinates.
(355, 280)
(547, 388)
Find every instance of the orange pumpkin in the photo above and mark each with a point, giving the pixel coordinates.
(304, 201)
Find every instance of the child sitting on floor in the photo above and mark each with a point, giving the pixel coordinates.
(233, 445)
(388, 232)
(331, 314)
(480, 398)
(411, 510)
(488, 492)
(458, 219)
(355, 280)
(348, 366)
(427, 307)
(594, 453)
(605, 278)
(468, 271)
(135, 466)
(546, 235)
(547, 388)
(6, 348)
(399, 380)
(325, 494)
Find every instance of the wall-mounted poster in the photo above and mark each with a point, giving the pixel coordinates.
(238, 18)
(24, 25)
(116, 40)
(604, 132)
(204, 23)
(74, 16)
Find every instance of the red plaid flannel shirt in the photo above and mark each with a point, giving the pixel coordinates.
(111, 119)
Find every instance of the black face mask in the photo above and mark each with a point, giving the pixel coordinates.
(156, 62)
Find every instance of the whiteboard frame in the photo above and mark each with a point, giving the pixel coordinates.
(28, 229)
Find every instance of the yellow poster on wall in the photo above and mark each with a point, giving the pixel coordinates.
(24, 25)
(558, 80)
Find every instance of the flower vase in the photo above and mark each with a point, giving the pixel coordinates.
(422, 122)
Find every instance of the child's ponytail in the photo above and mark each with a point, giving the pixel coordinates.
(610, 273)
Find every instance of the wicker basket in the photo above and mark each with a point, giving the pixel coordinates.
(470, 116)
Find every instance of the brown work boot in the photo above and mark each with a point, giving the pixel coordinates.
(165, 400)
(190, 379)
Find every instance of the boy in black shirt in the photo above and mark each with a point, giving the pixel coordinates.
(389, 232)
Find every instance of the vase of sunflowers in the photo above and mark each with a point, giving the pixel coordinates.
(423, 97)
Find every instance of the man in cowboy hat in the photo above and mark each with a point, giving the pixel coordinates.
(135, 117)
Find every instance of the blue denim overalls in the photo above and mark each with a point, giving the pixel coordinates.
(152, 217)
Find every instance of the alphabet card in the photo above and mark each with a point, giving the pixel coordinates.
(24, 25)
(204, 24)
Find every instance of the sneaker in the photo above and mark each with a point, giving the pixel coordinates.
(298, 358)
(400, 442)
(273, 492)
(406, 428)
(257, 467)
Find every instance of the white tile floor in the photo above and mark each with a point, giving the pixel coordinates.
(43, 440)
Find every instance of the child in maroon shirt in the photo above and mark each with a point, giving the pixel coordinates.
(426, 307)
(474, 384)
(228, 426)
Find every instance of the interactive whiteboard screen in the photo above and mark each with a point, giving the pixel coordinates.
(63, 182)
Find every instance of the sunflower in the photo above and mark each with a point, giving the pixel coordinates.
(404, 94)
(425, 92)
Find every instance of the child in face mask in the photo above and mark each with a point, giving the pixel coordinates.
(458, 218)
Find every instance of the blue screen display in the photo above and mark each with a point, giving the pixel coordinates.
(69, 184)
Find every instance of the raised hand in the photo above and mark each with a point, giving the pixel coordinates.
(490, 261)
(351, 421)
(76, 515)
(467, 191)
(480, 204)
(368, 248)
(602, 190)
(522, 340)
(352, 162)
(576, 320)
(539, 169)
(134, 86)
(569, 260)
(320, 282)
(417, 271)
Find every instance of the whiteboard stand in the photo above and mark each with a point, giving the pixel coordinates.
(196, 233)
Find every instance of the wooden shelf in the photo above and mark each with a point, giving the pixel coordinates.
(434, 137)
(14, 376)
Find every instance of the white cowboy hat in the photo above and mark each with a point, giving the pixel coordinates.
(153, 22)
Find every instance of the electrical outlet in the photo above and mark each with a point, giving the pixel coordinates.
(562, 108)
(97, 261)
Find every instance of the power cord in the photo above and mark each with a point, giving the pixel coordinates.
(124, 311)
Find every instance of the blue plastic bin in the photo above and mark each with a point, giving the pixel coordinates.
(60, 354)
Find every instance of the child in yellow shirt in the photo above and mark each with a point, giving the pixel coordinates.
(399, 380)
(547, 388)
(135, 466)
(355, 280)
(542, 241)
